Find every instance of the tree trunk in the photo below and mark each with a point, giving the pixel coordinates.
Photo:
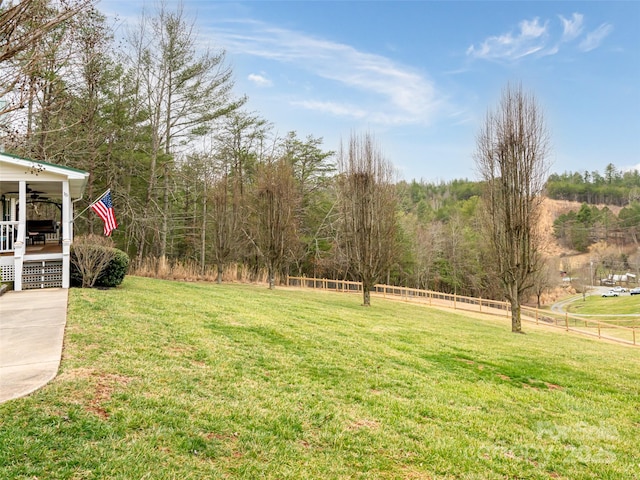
(270, 275)
(165, 213)
(203, 234)
(366, 296)
(219, 279)
(516, 319)
(148, 201)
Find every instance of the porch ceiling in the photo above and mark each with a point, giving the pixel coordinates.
(43, 179)
(48, 189)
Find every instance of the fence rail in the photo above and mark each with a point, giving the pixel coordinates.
(565, 321)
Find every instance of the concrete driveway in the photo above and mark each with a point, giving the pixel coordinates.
(32, 324)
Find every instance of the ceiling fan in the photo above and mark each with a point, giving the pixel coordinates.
(37, 196)
(29, 191)
(33, 194)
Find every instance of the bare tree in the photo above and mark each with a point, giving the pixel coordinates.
(545, 279)
(238, 144)
(429, 245)
(275, 205)
(511, 156)
(367, 202)
(23, 24)
(225, 223)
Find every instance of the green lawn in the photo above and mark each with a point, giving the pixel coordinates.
(167, 380)
(625, 304)
(622, 310)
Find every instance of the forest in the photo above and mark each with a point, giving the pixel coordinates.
(613, 187)
(198, 180)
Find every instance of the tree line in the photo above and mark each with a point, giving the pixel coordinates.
(614, 187)
(197, 177)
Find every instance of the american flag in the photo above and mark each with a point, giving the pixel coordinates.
(104, 209)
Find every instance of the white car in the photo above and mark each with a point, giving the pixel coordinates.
(635, 291)
(610, 293)
(619, 289)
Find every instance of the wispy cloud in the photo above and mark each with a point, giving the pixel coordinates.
(539, 39)
(530, 38)
(395, 93)
(595, 38)
(259, 80)
(333, 108)
(571, 28)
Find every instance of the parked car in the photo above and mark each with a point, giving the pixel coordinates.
(635, 291)
(610, 293)
(619, 289)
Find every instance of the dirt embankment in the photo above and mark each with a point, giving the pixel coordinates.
(552, 209)
(567, 259)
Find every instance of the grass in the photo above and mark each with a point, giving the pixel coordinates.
(167, 380)
(623, 310)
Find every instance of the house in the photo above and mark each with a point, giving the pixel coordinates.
(36, 223)
(613, 279)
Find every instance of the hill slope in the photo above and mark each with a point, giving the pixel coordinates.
(551, 210)
(181, 380)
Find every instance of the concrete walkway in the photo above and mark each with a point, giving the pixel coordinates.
(32, 326)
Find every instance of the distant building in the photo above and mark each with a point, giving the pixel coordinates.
(615, 279)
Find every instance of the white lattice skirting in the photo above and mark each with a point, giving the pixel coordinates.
(8, 273)
(44, 274)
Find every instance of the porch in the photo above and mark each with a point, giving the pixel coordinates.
(36, 221)
(35, 241)
(42, 265)
(39, 249)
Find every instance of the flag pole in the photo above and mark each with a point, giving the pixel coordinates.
(94, 202)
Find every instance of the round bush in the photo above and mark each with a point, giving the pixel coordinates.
(114, 274)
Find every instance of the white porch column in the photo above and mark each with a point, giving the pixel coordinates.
(20, 243)
(13, 209)
(67, 234)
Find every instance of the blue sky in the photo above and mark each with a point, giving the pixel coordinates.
(421, 75)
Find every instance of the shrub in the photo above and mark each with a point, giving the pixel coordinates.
(95, 262)
(115, 271)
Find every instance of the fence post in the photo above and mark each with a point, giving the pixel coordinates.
(598, 328)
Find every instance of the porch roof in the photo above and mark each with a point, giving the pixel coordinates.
(42, 177)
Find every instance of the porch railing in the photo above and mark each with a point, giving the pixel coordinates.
(8, 233)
